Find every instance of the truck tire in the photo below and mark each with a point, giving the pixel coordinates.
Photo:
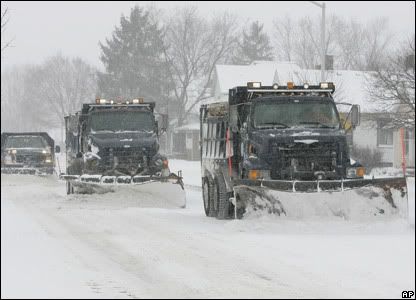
(207, 195)
(223, 204)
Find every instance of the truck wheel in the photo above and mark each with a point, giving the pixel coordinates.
(223, 204)
(207, 195)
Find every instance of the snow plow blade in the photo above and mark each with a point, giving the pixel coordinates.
(348, 199)
(158, 191)
(28, 171)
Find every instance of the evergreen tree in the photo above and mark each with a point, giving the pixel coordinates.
(255, 45)
(134, 60)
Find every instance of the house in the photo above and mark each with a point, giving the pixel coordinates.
(186, 141)
(183, 142)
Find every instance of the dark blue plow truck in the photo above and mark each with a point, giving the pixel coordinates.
(283, 150)
(28, 153)
(113, 146)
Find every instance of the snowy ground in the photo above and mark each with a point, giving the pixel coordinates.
(54, 245)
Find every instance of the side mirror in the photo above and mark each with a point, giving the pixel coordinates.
(57, 149)
(355, 115)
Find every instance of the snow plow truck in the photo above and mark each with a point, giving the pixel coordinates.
(283, 150)
(28, 153)
(114, 146)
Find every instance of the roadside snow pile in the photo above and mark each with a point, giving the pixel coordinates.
(384, 173)
(411, 199)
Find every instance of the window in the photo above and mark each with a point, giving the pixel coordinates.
(384, 134)
(408, 138)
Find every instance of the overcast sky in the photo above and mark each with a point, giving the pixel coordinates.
(41, 29)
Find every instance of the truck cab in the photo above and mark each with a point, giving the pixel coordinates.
(289, 133)
(114, 138)
(28, 153)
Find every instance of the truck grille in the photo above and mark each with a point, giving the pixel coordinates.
(320, 156)
(126, 156)
(30, 158)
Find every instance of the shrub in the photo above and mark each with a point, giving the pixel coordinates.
(369, 158)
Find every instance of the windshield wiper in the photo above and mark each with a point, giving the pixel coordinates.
(263, 125)
(317, 123)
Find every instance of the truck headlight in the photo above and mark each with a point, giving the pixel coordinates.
(357, 172)
(258, 174)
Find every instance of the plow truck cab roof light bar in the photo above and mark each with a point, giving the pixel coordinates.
(254, 85)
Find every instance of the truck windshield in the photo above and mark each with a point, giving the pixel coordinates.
(122, 121)
(295, 114)
(26, 142)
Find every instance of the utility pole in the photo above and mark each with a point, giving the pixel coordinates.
(322, 6)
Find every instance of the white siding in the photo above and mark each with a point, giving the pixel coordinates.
(365, 135)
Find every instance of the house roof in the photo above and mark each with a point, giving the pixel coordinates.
(350, 86)
(229, 76)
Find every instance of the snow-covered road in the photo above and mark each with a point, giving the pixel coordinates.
(54, 245)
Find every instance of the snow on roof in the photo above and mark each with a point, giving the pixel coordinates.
(350, 87)
(230, 76)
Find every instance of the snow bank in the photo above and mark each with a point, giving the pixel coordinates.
(411, 199)
(385, 172)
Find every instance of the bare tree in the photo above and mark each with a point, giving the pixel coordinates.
(12, 99)
(194, 47)
(349, 49)
(375, 44)
(305, 50)
(354, 45)
(392, 86)
(284, 37)
(57, 88)
(5, 17)
(299, 41)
